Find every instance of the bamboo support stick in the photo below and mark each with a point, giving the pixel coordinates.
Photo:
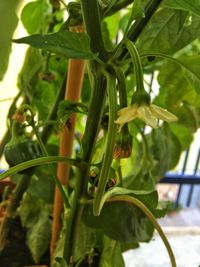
(75, 76)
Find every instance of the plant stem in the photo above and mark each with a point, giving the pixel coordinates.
(37, 162)
(92, 24)
(52, 169)
(88, 142)
(140, 205)
(118, 6)
(46, 131)
(139, 25)
(91, 19)
(104, 173)
(137, 66)
(121, 87)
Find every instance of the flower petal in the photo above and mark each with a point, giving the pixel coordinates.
(162, 114)
(126, 115)
(144, 113)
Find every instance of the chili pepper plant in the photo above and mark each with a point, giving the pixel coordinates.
(108, 99)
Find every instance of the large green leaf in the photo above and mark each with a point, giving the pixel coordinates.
(174, 148)
(8, 22)
(121, 222)
(173, 86)
(38, 237)
(112, 25)
(35, 216)
(111, 255)
(188, 34)
(162, 31)
(64, 43)
(42, 185)
(183, 134)
(188, 5)
(34, 14)
(29, 210)
(192, 71)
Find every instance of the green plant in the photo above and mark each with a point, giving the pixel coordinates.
(110, 201)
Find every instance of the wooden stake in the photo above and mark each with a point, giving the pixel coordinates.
(75, 76)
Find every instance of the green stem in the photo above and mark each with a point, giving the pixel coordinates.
(137, 66)
(118, 6)
(92, 23)
(91, 17)
(140, 205)
(139, 25)
(46, 131)
(53, 172)
(37, 162)
(88, 142)
(180, 63)
(121, 87)
(104, 173)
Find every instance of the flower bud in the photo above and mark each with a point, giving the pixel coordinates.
(123, 144)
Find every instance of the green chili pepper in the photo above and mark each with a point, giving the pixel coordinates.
(20, 148)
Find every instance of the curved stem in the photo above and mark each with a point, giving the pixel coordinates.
(36, 162)
(180, 63)
(137, 65)
(148, 213)
(53, 173)
(103, 177)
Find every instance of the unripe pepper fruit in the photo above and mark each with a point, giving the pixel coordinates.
(20, 148)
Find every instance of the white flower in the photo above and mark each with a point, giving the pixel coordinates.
(148, 113)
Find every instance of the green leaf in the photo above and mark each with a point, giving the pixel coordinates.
(111, 255)
(120, 221)
(183, 134)
(84, 242)
(64, 43)
(188, 33)
(137, 11)
(42, 185)
(8, 22)
(112, 25)
(39, 235)
(28, 75)
(61, 261)
(174, 148)
(162, 31)
(67, 107)
(188, 5)
(29, 210)
(149, 198)
(192, 71)
(34, 15)
(133, 225)
(171, 94)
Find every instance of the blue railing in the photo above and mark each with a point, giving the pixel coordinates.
(183, 179)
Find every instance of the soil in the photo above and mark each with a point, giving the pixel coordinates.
(16, 253)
